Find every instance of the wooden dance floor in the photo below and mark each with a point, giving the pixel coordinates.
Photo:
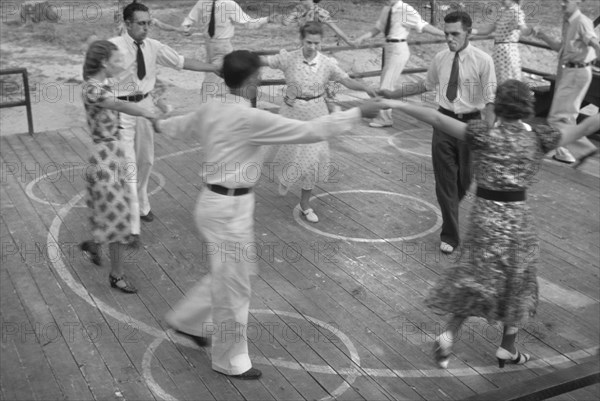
(337, 309)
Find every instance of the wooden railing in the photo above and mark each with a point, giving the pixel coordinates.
(376, 73)
(26, 101)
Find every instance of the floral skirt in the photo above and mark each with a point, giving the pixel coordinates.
(496, 276)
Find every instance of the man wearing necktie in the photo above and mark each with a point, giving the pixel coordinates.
(577, 50)
(465, 81)
(218, 18)
(395, 21)
(141, 55)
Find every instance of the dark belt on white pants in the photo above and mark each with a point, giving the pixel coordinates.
(221, 190)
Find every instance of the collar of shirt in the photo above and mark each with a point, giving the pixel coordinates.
(314, 62)
(131, 42)
(464, 52)
(230, 98)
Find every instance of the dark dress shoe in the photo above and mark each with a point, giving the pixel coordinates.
(148, 218)
(199, 340)
(250, 374)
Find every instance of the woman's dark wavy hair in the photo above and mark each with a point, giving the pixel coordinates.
(514, 100)
(311, 28)
(98, 53)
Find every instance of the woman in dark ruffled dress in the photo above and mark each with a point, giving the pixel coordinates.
(498, 280)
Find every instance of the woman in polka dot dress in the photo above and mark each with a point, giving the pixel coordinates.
(307, 73)
(108, 197)
(508, 29)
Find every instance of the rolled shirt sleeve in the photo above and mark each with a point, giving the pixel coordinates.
(194, 15)
(168, 57)
(411, 18)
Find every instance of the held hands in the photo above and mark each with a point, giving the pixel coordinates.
(185, 30)
(386, 93)
(370, 108)
(156, 125)
(371, 92)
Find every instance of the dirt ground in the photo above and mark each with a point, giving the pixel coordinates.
(53, 56)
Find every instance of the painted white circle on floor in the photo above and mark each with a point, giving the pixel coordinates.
(313, 227)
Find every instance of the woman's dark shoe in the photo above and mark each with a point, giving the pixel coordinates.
(442, 348)
(120, 283)
(91, 251)
(506, 357)
(134, 241)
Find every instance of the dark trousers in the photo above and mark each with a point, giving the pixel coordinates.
(452, 169)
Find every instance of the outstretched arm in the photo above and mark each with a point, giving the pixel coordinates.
(485, 30)
(433, 30)
(572, 133)
(368, 35)
(432, 117)
(553, 43)
(197, 65)
(407, 89)
(340, 33)
(167, 27)
(358, 86)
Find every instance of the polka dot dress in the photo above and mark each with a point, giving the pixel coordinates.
(507, 59)
(304, 165)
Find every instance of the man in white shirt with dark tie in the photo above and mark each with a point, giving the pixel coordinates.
(464, 79)
(141, 57)
(232, 134)
(217, 18)
(395, 22)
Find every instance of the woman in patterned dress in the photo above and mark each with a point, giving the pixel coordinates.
(307, 73)
(107, 171)
(498, 280)
(508, 28)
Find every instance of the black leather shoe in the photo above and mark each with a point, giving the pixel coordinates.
(250, 374)
(199, 340)
(148, 218)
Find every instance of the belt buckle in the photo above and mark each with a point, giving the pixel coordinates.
(460, 116)
(230, 191)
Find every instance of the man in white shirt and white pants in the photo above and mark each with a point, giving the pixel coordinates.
(232, 134)
(218, 34)
(141, 55)
(395, 22)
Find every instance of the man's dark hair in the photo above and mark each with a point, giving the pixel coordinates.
(132, 8)
(238, 66)
(462, 17)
